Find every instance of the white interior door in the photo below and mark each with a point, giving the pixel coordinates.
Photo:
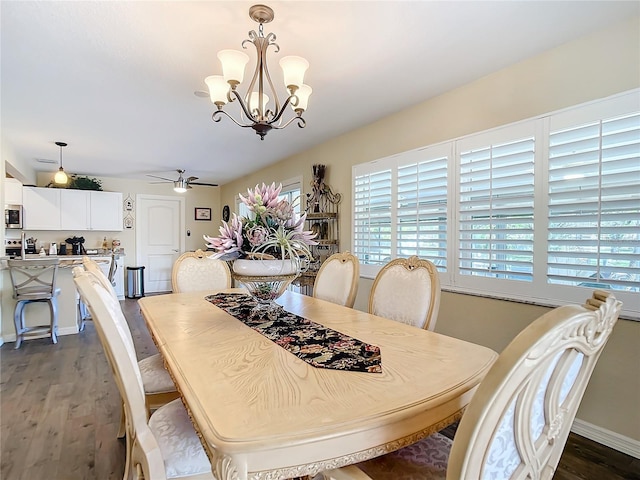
(159, 240)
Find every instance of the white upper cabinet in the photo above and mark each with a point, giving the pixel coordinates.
(41, 208)
(106, 211)
(75, 210)
(12, 191)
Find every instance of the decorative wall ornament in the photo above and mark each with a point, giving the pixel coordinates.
(128, 222)
(321, 198)
(128, 203)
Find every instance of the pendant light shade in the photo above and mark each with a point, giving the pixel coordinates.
(60, 177)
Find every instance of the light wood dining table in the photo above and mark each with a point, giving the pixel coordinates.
(262, 413)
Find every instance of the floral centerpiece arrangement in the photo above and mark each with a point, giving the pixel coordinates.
(273, 229)
(269, 248)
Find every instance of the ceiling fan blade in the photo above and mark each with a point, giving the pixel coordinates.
(205, 184)
(161, 178)
(191, 179)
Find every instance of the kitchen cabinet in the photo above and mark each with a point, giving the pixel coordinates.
(74, 210)
(105, 211)
(12, 191)
(71, 210)
(41, 208)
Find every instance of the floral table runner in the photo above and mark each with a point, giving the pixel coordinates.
(316, 344)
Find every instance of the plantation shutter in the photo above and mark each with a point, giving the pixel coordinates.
(422, 209)
(372, 217)
(496, 208)
(594, 204)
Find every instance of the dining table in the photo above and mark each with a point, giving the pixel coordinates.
(265, 412)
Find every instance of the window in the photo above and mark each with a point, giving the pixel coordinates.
(543, 210)
(496, 204)
(594, 204)
(372, 217)
(422, 208)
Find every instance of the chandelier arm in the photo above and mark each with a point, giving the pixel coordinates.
(243, 105)
(301, 123)
(279, 113)
(216, 118)
(270, 40)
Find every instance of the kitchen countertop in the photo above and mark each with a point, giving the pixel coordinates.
(66, 261)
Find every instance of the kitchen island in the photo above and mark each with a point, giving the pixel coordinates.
(68, 311)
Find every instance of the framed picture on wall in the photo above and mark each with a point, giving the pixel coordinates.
(203, 213)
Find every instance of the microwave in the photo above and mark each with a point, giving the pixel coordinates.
(13, 216)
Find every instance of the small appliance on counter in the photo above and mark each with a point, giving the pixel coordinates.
(77, 247)
(30, 245)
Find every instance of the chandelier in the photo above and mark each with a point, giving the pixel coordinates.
(256, 112)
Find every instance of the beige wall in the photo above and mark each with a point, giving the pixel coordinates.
(586, 69)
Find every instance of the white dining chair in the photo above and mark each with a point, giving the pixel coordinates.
(337, 279)
(196, 271)
(407, 290)
(518, 421)
(158, 385)
(164, 445)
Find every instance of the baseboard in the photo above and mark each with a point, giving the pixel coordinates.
(11, 337)
(606, 437)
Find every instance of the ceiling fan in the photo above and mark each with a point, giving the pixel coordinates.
(181, 184)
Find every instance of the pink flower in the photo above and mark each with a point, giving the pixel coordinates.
(262, 196)
(295, 225)
(257, 236)
(229, 243)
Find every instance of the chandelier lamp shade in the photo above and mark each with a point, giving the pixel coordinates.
(60, 177)
(260, 107)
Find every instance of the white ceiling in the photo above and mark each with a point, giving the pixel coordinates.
(116, 80)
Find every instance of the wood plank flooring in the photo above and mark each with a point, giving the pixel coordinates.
(60, 410)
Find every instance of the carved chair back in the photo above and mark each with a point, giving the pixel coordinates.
(196, 271)
(519, 419)
(407, 290)
(337, 279)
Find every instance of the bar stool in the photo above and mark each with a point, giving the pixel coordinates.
(34, 281)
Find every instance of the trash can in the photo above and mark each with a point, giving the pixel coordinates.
(135, 282)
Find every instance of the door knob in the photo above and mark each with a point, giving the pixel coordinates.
(175, 250)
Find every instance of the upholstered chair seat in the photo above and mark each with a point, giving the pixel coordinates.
(180, 446)
(337, 279)
(155, 378)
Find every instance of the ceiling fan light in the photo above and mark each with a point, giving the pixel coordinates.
(60, 177)
(218, 89)
(233, 64)
(303, 94)
(180, 185)
(293, 69)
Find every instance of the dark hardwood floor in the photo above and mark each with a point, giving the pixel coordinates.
(60, 410)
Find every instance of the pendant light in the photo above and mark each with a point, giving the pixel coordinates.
(60, 177)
